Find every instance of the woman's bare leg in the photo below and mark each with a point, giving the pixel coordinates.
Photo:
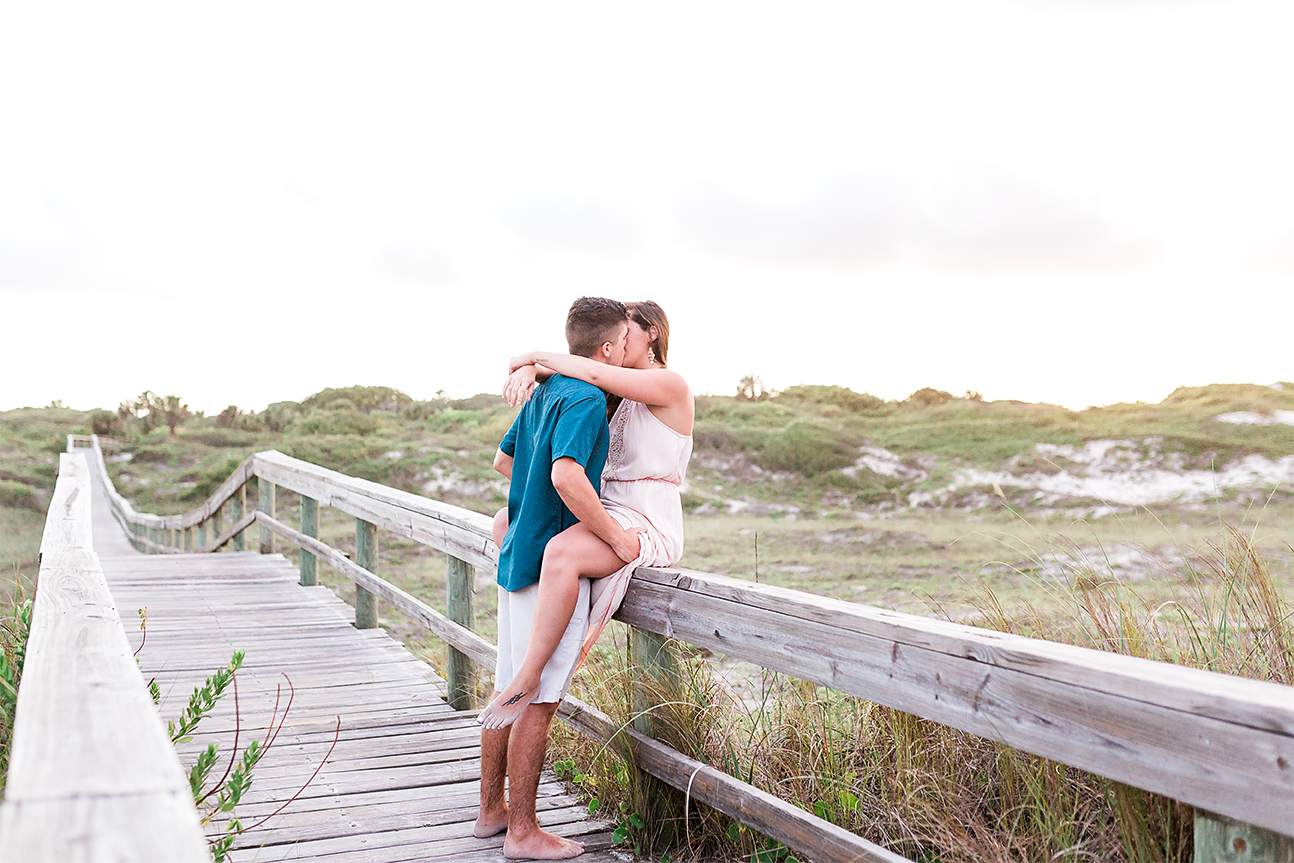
(500, 526)
(573, 553)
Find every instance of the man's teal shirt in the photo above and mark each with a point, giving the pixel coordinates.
(565, 418)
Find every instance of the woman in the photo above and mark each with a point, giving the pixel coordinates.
(651, 442)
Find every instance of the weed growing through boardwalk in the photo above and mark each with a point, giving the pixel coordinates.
(922, 789)
(217, 801)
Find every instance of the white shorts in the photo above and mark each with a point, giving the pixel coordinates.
(516, 617)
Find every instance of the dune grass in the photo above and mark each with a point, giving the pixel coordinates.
(924, 790)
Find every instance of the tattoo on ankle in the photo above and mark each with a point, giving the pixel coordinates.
(514, 699)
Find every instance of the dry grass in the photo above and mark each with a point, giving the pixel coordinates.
(927, 791)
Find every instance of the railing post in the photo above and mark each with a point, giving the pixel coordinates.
(238, 504)
(218, 522)
(202, 533)
(188, 538)
(265, 490)
(460, 587)
(310, 527)
(365, 556)
(1219, 839)
(655, 683)
(656, 677)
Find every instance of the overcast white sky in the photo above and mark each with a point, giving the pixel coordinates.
(1075, 202)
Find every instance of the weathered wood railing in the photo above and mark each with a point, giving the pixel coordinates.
(1224, 745)
(92, 774)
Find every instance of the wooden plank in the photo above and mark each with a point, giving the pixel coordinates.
(460, 637)
(1069, 704)
(1223, 840)
(160, 826)
(89, 753)
(460, 532)
(801, 831)
(761, 811)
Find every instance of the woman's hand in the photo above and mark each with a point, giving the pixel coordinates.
(627, 545)
(521, 360)
(519, 386)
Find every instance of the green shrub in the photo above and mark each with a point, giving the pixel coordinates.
(363, 399)
(19, 496)
(209, 479)
(221, 437)
(927, 396)
(810, 448)
(336, 452)
(842, 397)
(152, 455)
(334, 422)
(105, 423)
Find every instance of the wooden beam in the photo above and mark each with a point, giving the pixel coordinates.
(366, 558)
(476, 647)
(464, 534)
(1217, 742)
(265, 496)
(92, 774)
(310, 528)
(1225, 840)
(803, 832)
(814, 837)
(460, 589)
(238, 506)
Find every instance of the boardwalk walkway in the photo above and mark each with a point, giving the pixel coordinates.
(402, 781)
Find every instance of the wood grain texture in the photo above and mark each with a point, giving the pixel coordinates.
(801, 831)
(453, 530)
(92, 775)
(480, 650)
(460, 581)
(1217, 742)
(310, 528)
(405, 762)
(1224, 840)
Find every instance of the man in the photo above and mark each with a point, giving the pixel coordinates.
(553, 454)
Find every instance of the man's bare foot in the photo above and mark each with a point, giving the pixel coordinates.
(541, 845)
(508, 705)
(490, 824)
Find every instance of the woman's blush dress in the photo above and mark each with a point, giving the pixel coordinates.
(640, 488)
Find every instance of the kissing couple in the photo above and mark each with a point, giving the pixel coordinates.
(596, 457)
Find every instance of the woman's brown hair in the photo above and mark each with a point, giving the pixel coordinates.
(647, 314)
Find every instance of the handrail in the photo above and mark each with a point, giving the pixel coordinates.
(92, 774)
(1220, 743)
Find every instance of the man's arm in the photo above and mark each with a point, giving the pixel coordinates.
(503, 464)
(575, 490)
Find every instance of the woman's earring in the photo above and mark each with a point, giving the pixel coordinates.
(651, 356)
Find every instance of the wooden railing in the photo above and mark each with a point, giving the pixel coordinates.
(92, 773)
(1224, 745)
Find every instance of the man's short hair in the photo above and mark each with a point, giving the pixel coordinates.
(592, 322)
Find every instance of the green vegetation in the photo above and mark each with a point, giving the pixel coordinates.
(15, 626)
(843, 494)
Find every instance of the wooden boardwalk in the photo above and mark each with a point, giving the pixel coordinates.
(401, 783)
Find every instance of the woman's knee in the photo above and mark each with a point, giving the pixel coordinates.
(500, 526)
(561, 558)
